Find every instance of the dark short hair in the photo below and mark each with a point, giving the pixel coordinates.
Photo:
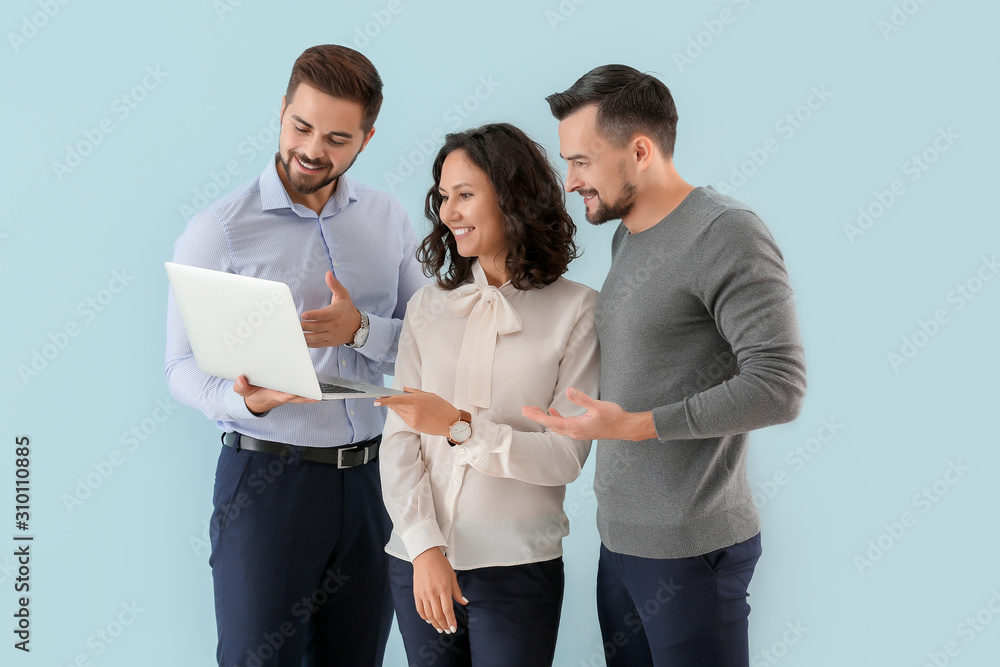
(538, 230)
(628, 103)
(339, 72)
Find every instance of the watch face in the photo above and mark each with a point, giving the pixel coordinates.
(361, 338)
(460, 431)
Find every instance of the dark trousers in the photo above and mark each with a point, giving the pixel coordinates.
(298, 562)
(676, 612)
(511, 620)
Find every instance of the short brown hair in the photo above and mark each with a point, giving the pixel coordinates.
(628, 103)
(339, 72)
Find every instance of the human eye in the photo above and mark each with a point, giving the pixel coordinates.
(465, 195)
(300, 129)
(337, 144)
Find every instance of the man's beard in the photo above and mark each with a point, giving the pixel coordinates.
(617, 209)
(298, 181)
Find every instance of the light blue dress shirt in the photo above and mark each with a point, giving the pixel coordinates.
(364, 236)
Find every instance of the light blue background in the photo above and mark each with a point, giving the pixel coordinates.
(139, 536)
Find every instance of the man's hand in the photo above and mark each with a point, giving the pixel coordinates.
(423, 411)
(337, 323)
(434, 587)
(603, 420)
(259, 400)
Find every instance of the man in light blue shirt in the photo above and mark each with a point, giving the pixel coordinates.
(298, 528)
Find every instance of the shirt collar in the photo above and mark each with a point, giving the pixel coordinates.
(274, 196)
(479, 278)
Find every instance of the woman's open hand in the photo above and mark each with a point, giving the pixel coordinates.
(422, 411)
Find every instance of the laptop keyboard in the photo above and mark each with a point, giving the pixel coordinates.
(328, 388)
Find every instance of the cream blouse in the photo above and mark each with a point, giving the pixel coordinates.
(496, 499)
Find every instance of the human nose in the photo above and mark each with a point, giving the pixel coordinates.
(313, 146)
(572, 182)
(449, 212)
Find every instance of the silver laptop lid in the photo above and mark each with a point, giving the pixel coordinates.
(239, 325)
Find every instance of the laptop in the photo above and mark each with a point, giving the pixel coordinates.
(240, 325)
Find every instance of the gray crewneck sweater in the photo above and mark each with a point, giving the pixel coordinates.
(696, 323)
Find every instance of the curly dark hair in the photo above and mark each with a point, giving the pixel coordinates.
(538, 230)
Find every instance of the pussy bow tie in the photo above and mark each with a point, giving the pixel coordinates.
(490, 316)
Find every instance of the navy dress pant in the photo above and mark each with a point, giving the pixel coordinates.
(677, 612)
(298, 562)
(511, 620)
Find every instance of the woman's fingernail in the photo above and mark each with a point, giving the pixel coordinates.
(439, 630)
(452, 628)
(465, 600)
(377, 403)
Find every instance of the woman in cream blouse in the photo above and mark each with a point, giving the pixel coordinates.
(474, 488)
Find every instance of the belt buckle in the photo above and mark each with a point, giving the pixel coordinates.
(340, 456)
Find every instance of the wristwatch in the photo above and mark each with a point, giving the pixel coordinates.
(460, 432)
(361, 335)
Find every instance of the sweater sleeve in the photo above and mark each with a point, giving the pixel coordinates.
(744, 286)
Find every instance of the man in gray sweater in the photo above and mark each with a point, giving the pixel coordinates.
(699, 345)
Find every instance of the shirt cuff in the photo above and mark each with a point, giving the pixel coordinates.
(380, 338)
(237, 407)
(671, 422)
(485, 435)
(421, 537)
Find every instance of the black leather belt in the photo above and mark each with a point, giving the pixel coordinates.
(342, 457)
